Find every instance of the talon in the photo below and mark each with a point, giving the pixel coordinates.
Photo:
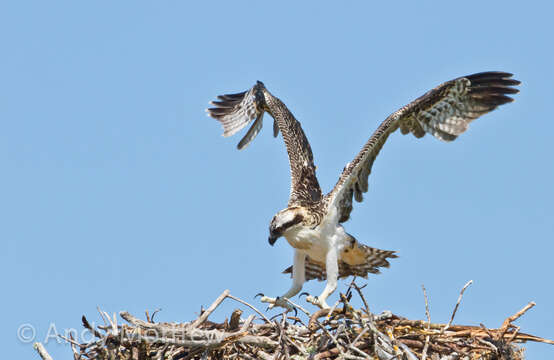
(259, 294)
(304, 293)
(295, 312)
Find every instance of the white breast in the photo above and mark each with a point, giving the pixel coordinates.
(315, 242)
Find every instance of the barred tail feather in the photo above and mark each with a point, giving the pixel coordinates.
(359, 260)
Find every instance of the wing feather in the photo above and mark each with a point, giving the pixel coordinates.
(444, 112)
(236, 111)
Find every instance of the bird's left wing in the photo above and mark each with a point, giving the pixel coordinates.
(445, 112)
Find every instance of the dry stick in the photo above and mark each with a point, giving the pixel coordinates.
(508, 322)
(516, 331)
(250, 306)
(283, 336)
(409, 352)
(71, 341)
(263, 355)
(364, 330)
(332, 310)
(330, 336)
(297, 306)
(280, 340)
(247, 323)
(113, 323)
(74, 346)
(456, 307)
(212, 307)
(313, 323)
(161, 352)
(426, 347)
(102, 315)
(355, 349)
(517, 315)
(359, 290)
(42, 351)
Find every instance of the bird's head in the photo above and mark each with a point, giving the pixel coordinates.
(284, 221)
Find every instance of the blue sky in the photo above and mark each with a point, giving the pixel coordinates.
(117, 191)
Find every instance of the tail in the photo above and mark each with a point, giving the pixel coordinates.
(355, 260)
(362, 259)
(235, 111)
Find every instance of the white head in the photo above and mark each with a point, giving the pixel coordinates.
(285, 220)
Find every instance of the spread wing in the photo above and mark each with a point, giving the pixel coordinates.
(235, 111)
(358, 260)
(444, 112)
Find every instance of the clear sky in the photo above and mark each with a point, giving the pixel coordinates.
(117, 191)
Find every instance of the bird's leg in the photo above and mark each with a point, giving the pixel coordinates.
(298, 278)
(332, 269)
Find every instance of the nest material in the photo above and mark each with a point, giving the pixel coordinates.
(338, 333)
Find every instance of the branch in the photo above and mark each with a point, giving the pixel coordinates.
(212, 307)
(457, 304)
(42, 351)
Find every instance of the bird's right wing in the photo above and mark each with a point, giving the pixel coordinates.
(444, 112)
(235, 111)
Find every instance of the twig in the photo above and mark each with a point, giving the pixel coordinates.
(517, 315)
(247, 323)
(330, 336)
(42, 351)
(408, 352)
(102, 315)
(456, 307)
(333, 308)
(263, 355)
(250, 306)
(313, 323)
(69, 340)
(359, 290)
(212, 307)
(364, 330)
(297, 306)
(426, 347)
(281, 337)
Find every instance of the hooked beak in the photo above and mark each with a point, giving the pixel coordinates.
(273, 238)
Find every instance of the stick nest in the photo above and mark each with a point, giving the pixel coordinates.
(342, 332)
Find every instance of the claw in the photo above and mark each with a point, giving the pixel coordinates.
(259, 294)
(304, 293)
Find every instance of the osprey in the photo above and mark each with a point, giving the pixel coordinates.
(312, 221)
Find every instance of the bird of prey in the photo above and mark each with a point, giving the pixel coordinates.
(311, 223)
